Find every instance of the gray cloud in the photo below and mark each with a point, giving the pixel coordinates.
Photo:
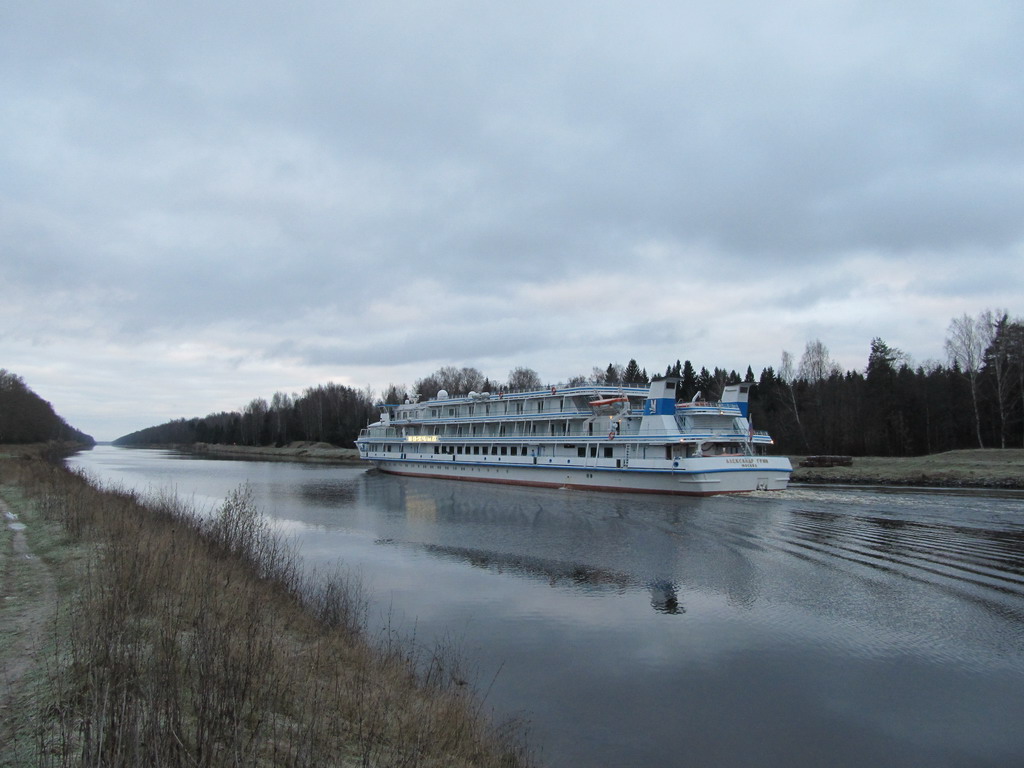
(356, 191)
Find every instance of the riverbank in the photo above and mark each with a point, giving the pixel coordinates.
(295, 451)
(990, 468)
(144, 633)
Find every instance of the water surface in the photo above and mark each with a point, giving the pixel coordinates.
(841, 627)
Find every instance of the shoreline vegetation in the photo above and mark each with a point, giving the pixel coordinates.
(980, 468)
(975, 468)
(301, 450)
(142, 631)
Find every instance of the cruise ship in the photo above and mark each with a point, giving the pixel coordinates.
(597, 437)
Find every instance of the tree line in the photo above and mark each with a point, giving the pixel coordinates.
(26, 418)
(893, 408)
(890, 408)
(329, 413)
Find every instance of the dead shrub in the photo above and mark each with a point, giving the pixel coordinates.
(197, 640)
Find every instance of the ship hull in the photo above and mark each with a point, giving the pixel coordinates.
(715, 477)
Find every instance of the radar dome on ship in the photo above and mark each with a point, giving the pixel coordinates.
(442, 394)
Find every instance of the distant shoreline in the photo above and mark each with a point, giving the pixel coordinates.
(296, 451)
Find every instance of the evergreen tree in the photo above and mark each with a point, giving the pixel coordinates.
(688, 384)
(632, 375)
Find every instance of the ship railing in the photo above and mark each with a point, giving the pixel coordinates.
(378, 433)
(392, 433)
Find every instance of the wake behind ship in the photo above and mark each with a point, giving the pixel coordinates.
(601, 437)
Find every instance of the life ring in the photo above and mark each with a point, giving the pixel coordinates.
(611, 435)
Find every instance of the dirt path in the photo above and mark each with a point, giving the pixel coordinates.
(29, 601)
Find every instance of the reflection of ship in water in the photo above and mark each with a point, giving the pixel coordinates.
(588, 541)
(665, 597)
(664, 593)
(555, 572)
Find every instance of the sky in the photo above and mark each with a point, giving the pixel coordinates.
(203, 203)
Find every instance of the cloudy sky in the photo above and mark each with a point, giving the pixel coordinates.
(202, 203)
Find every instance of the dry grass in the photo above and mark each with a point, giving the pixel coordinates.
(305, 451)
(193, 641)
(978, 468)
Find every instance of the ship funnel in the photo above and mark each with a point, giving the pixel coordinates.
(737, 394)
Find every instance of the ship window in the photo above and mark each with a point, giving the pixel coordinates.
(607, 451)
(581, 452)
(476, 450)
(504, 451)
(436, 450)
(515, 450)
(540, 406)
(668, 451)
(670, 385)
(494, 450)
(593, 451)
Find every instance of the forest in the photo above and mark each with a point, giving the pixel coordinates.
(810, 406)
(26, 418)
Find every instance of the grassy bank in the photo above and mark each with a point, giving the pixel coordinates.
(979, 468)
(141, 633)
(296, 451)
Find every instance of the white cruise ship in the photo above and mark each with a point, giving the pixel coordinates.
(598, 437)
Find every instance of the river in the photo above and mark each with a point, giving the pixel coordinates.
(814, 626)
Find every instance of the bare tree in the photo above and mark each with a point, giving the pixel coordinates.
(523, 378)
(451, 379)
(998, 365)
(787, 378)
(816, 363)
(280, 407)
(395, 394)
(966, 341)
(1015, 351)
(253, 416)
